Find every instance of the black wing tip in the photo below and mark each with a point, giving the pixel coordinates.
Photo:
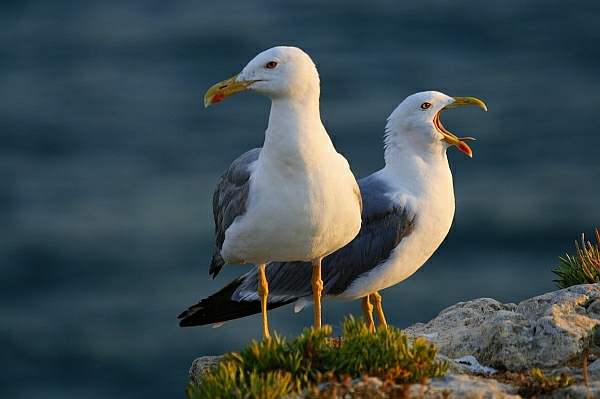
(216, 263)
(230, 311)
(190, 311)
(214, 271)
(217, 308)
(193, 315)
(188, 322)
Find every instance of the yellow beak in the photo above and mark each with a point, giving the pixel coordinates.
(460, 101)
(449, 137)
(224, 89)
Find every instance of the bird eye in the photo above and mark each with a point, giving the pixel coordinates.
(270, 64)
(425, 105)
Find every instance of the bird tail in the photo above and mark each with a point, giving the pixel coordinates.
(219, 307)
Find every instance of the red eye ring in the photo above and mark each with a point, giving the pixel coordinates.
(271, 64)
(425, 105)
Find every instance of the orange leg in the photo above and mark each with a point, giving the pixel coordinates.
(317, 287)
(376, 299)
(263, 292)
(367, 309)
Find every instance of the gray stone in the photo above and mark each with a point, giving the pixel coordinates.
(506, 341)
(578, 391)
(594, 371)
(546, 331)
(467, 387)
(201, 365)
(461, 386)
(456, 330)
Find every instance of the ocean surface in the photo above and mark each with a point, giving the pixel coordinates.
(108, 161)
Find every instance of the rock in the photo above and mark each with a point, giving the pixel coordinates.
(547, 331)
(462, 386)
(202, 365)
(594, 371)
(578, 391)
(554, 332)
(466, 387)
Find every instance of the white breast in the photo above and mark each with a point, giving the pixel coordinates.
(295, 212)
(432, 204)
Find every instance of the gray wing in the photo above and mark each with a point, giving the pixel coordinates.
(385, 223)
(229, 202)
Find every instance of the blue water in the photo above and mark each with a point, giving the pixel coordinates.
(108, 161)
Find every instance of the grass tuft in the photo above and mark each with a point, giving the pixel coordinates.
(540, 384)
(385, 354)
(583, 268)
(275, 368)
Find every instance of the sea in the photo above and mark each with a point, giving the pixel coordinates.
(108, 161)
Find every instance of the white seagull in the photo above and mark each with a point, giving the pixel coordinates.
(294, 199)
(408, 207)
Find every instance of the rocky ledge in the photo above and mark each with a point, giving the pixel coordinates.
(494, 346)
(555, 332)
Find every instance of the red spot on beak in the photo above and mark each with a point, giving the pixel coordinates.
(217, 98)
(465, 148)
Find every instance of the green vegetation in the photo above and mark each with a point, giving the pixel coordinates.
(385, 354)
(583, 268)
(540, 384)
(275, 368)
(534, 383)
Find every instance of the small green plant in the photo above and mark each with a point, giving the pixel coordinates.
(583, 268)
(540, 384)
(385, 354)
(275, 368)
(270, 368)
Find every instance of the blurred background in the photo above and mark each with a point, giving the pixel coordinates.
(108, 161)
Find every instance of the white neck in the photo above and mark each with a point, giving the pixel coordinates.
(295, 131)
(418, 169)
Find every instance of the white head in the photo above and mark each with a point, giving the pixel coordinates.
(415, 123)
(276, 73)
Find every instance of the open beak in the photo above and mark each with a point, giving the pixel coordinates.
(449, 137)
(224, 89)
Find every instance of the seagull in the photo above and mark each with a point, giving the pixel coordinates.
(408, 207)
(294, 199)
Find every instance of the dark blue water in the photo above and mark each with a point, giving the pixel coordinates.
(108, 161)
